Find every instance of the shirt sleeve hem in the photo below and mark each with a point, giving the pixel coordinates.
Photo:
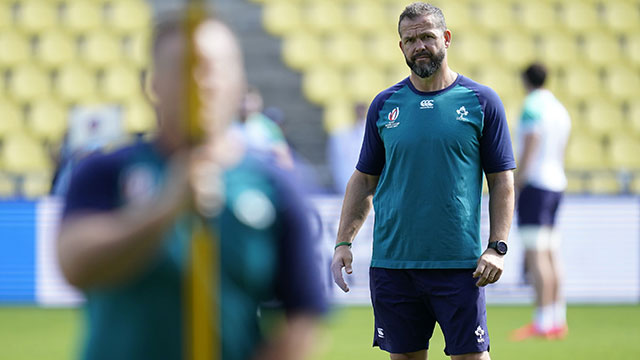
(367, 170)
(499, 168)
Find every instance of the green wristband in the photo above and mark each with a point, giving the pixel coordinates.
(342, 243)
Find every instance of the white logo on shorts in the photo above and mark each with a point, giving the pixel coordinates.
(380, 333)
(480, 334)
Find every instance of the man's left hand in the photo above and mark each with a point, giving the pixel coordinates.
(489, 268)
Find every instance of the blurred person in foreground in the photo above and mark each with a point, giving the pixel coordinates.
(125, 232)
(427, 142)
(540, 181)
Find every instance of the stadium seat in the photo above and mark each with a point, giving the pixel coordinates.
(12, 118)
(338, 115)
(575, 183)
(120, 83)
(362, 83)
(367, 17)
(622, 16)
(463, 20)
(101, 49)
(475, 47)
(281, 17)
(538, 16)
(559, 48)
(383, 50)
(623, 152)
(634, 185)
(23, 154)
(75, 83)
(580, 16)
(322, 17)
(601, 49)
(585, 153)
(35, 185)
(505, 82)
(496, 15)
(622, 82)
(47, 119)
(397, 73)
(8, 186)
(14, 48)
(139, 116)
(582, 82)
(604, 183)
(129, 16)
(55, 48)
(631, 49)
(322, 84)
(633, 117)
(29, 82)
(6, 16)
(82, 16)
(137, 49)
(603, 118)
(301, 50)
(516, 49)
(344, 50)
(36, 16)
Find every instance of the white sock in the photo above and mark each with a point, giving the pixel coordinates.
(544, 318)
(559, 313)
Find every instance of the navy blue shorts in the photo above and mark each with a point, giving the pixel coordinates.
(407, 303)
(537, 206)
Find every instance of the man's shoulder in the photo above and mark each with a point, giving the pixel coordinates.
(482, 90)
(112, 161)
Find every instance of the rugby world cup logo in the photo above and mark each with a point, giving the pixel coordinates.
(393, 115)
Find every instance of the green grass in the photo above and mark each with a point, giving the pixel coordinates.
(596, 332)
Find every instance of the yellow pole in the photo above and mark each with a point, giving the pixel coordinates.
(202, 301)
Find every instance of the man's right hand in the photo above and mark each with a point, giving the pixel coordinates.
(342, 258)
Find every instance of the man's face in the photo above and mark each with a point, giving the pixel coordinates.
(219, 76)
(423, 45)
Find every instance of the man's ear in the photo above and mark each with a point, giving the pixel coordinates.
(447, 38)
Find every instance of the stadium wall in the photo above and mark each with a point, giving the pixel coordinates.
(600, 251)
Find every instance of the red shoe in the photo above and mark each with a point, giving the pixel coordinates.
(558, 332)
(527, 332)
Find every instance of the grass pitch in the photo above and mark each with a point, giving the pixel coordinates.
(596, 332)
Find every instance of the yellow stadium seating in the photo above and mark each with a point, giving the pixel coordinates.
(281, 17)
(129, 16)
(6, 18)
(622, 82)
(337, 116)
(14, 48)
(623, 152)
(538, 16)
(580, 16)
(622, 16)
(120, 83)
(322, 17)
(36, 16)
(383, 49)
(634, 186)
(36, 185)
(516, 49)
(139, 117)
(75, 82)
(362, 82)
(461, 22)
(575, 183)
(342, 50)
(582, 82)
(55, 48)
(505, 82)
(559, 48)
(496, 15)
(322, 84)
(631, 49)
(585, 153)
(29, 82)
(101, 49)
(81, 16)
(366, 17)
(601, 49)
(137, 48)
(603, 117)
(23, 154)
(12, 118)
(633, 116)
(302, 50)
(603, 183)
(47, 119)
(7, 186)
(476, 48)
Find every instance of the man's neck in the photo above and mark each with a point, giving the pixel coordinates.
(438, 81)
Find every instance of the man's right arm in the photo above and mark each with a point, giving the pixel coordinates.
(355, 209)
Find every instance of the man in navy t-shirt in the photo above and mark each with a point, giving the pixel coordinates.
(427, 143)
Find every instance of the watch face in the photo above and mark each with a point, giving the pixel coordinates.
(501, 247)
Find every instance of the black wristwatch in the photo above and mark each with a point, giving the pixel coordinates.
(499, 246)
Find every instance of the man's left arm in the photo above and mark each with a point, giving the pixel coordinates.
(501, 203)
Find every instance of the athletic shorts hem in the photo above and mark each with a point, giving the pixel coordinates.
(408, 264)
(395, 351)
(463, 352)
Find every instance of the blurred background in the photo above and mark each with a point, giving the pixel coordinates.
(72, 80)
